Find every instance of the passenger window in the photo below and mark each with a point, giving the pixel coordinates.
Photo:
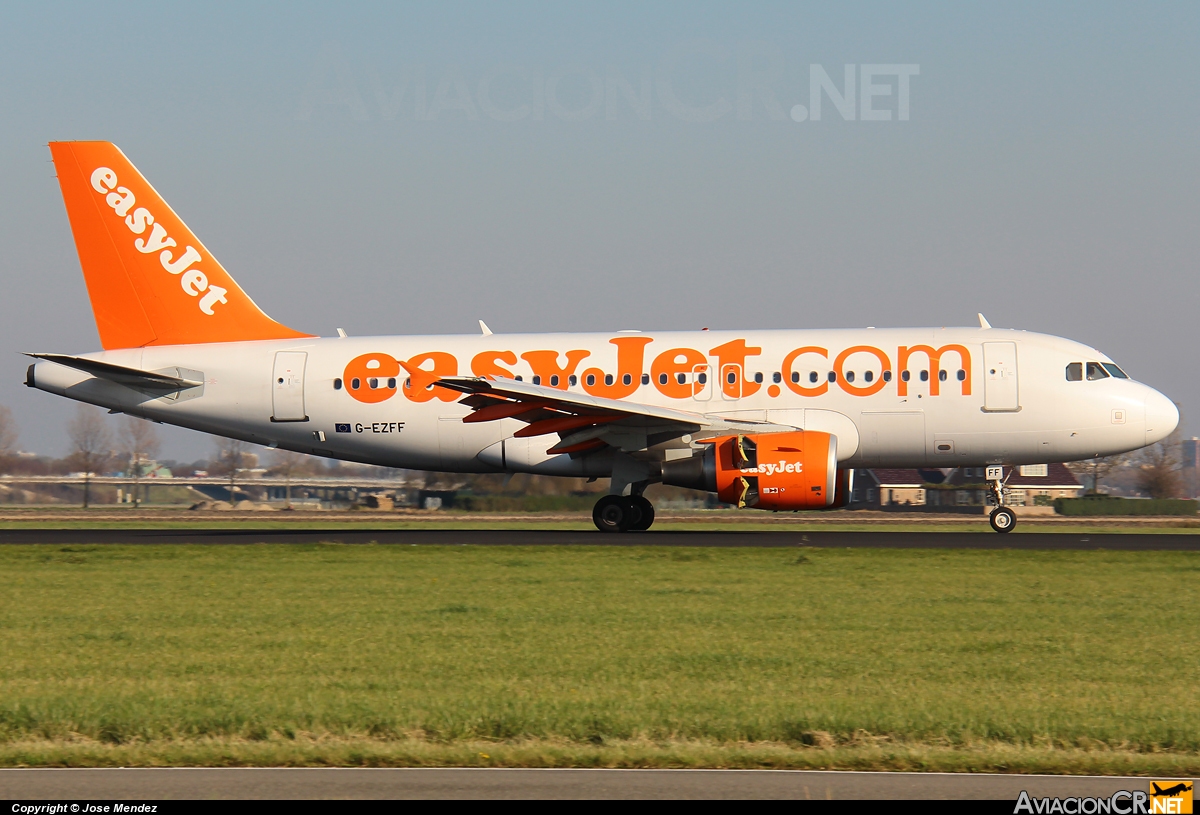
(573, 380)
(645, 379)
(373, 383)
(1075, 372)
(554, 380)
(392, 383)
(941, 376)
(812, 377)
(337, 384)
(681, 378)
(962, 375)
(849, 376)
(354, 383)
(627, 379)
(869, 375)
(832, 376)
(537, 380)
(758, 378)
(591, 379)
(887, 376)
(924, 376)
(702, 379)
(905, 375)
(1096, 371)
(608, 379)
(777, 377)
(1114, 370)
(519, 379)
(731, 378)
(663, 378)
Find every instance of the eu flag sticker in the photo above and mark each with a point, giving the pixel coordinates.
(341, 428)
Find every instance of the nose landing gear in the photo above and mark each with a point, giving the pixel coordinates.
(1002, 519)
(619, 513)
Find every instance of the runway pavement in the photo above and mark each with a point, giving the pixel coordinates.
(131, 785)
(550, 537)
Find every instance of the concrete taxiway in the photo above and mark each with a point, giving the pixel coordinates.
(552, 537)
(131, 785)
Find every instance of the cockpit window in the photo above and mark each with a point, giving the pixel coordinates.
(1075, 372)
(1096, 371)
(1114, 370)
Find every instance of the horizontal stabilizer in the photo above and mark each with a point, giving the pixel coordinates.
(129, 377)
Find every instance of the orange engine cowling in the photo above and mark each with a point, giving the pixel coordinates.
(777, 471)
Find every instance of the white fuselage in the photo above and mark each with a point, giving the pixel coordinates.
(1012, 402)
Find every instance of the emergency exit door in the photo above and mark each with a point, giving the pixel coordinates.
(287, 390)
(1000, 376)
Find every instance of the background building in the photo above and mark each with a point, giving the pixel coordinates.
(1030, 485)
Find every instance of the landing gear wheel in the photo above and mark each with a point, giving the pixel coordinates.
(613, 513)
(645, 512)
(1003, 519)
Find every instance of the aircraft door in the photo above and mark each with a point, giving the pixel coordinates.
(287, 391)
(731, 381)
(702, 383)
(1000, 376)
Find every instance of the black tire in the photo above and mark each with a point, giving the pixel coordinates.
(645, 512)
(612, 513)
(1003, 519)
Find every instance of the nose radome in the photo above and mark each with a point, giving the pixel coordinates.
(1162, 417)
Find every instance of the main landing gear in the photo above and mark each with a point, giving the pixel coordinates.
(1003, 519)
(621, 513)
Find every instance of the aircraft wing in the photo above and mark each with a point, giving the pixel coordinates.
(129, 377)
(585, 423)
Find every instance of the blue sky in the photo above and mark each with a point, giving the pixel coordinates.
(385, 168)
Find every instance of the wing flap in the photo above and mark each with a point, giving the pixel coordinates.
(584, 423)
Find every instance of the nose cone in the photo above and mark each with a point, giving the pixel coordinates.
(1162, 417)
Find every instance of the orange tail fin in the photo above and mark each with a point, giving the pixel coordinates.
(151, 282)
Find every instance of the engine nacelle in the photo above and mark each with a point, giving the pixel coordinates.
(776, 471)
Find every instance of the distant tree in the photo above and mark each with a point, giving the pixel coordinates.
(1094, 470)
(290, 464)
(8, 437)
(139, 443)
(1159, 468)
(91, 443)
(229, 461)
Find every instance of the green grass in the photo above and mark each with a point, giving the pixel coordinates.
(589, 656)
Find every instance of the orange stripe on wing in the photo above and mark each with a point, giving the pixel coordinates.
(503, 410)
(559, 425)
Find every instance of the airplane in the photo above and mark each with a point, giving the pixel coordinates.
(1170, 792)
(774, 420)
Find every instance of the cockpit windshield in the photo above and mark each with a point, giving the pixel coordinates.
(1094, 370)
